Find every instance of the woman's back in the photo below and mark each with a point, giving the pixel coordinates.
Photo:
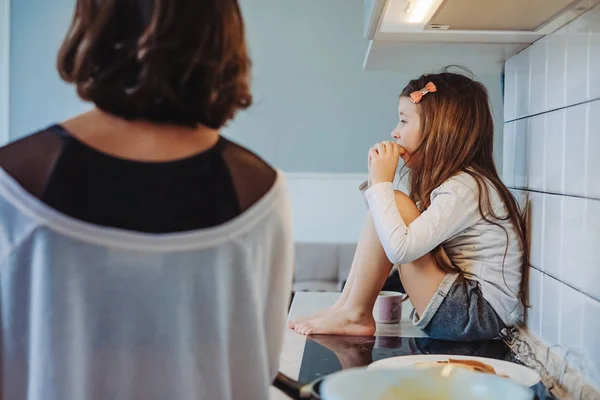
(96, 313)
(175, 191)
(142, 255)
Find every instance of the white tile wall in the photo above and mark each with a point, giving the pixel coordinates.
(551, 321)
(538, 76)
(575, 149)
(552, 234)
(565, 235)
(521, 152)
(508, 167)
(556, 152)
(534, 314)
(587, 276)
(578, 37)
(571, 312)
(523, 74)
(592, 148)
(536, 152)
(552, 152)
(536, 253)
(555, 65)
(594, 54)
(591, 338)
(573, 246)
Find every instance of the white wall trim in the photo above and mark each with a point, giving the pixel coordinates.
(326, 207)
(4, 71)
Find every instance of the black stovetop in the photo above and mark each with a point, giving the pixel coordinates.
(324, 355)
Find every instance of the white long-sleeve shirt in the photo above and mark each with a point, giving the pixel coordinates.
(473, 244)
(98, 313)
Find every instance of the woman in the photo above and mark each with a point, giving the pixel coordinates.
(143, 255)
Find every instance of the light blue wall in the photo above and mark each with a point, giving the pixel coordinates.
(38, 97)
(4, 66)
(315, 110)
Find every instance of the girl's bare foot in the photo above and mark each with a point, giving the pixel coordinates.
(305, 318)
(339, 321)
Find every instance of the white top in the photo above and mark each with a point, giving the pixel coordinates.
(99, 313)
(473, 244)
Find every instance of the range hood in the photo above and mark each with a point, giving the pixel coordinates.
(494, 30)
(506, 15)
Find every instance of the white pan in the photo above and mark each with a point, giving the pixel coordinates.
(440, 383)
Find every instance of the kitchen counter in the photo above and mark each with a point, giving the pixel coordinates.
(306, 303)
(306, 359)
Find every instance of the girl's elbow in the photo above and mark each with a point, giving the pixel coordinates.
(402, 257)
(396, 256)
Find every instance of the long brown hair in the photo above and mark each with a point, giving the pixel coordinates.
(458, 136)
(183, 62)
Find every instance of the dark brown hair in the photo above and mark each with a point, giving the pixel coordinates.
(458, 136)
(181, 62)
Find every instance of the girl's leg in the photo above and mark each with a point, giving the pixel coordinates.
(370, 268)
(361, 257)
(420, 278)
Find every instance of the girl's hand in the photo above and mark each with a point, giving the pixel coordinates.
(383, 162)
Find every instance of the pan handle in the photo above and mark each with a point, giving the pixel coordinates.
(291, 388)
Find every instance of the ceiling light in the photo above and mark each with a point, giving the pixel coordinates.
(419, 10)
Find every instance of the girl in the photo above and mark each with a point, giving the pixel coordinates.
(458, 239)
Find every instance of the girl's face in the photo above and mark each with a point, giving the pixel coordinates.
(408, 131)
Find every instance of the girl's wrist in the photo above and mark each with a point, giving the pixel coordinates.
(373, 182)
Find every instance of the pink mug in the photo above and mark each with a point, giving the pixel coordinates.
(388, 307)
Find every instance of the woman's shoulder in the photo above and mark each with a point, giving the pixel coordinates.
(30, 159)
(21, 214)
(252, 176)
(243, 157)
(15, 223)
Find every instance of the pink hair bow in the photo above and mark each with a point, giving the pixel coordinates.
(418, 95)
